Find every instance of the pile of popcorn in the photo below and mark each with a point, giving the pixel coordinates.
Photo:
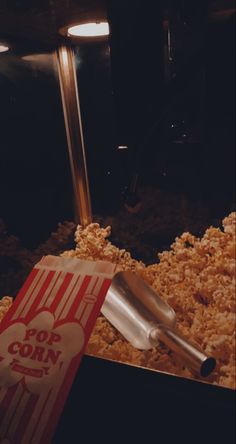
(196, 277)
(5, 304)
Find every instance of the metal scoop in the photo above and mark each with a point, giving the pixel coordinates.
(144, 319)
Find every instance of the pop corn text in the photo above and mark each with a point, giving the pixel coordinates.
(37, 345)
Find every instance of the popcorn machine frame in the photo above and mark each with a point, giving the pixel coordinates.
(74, 131)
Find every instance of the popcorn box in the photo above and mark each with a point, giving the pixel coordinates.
(42, 340)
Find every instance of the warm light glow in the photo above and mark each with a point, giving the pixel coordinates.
(4, 48)
(40, 58)
(90, 30)
(39, 62)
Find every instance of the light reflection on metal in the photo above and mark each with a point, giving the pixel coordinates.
(41, 58)
(40, 62)
(170, 57)
(74, 131)
(123, 147)
(4, 48)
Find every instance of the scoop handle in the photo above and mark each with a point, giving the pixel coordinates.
(202, 364)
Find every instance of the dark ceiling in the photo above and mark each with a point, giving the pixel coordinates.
(40, 20)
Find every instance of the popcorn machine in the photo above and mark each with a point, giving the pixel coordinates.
(112, 125)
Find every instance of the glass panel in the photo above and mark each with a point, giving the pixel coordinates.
(35, 177)
(157, 122)
(35, 182)
(93, 70)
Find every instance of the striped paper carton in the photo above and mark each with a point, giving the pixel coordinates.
(42, 340)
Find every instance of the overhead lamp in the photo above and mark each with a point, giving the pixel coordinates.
(4, 48)
(94, 29)
(88, 31)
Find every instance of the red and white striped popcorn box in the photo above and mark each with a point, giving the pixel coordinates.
(42, 340)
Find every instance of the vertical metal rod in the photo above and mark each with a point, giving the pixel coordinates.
(74, 131)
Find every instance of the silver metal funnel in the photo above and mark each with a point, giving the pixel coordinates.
(144, 319)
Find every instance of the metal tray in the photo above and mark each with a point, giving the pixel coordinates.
(112, 402)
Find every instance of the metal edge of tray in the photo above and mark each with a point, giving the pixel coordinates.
(224, 393)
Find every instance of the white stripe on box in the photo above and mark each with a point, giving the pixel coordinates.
(87, 312)
(91, 285)
(19, 413)
(82, 304)
(80, 310)
(53, 287)
(89, 308)
(99, 285)
(37, 433)
(29, 294)
(11, 411)
(27, 437)
(68, 297)
(3, 392)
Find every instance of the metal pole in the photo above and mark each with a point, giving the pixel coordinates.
(74, 131)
